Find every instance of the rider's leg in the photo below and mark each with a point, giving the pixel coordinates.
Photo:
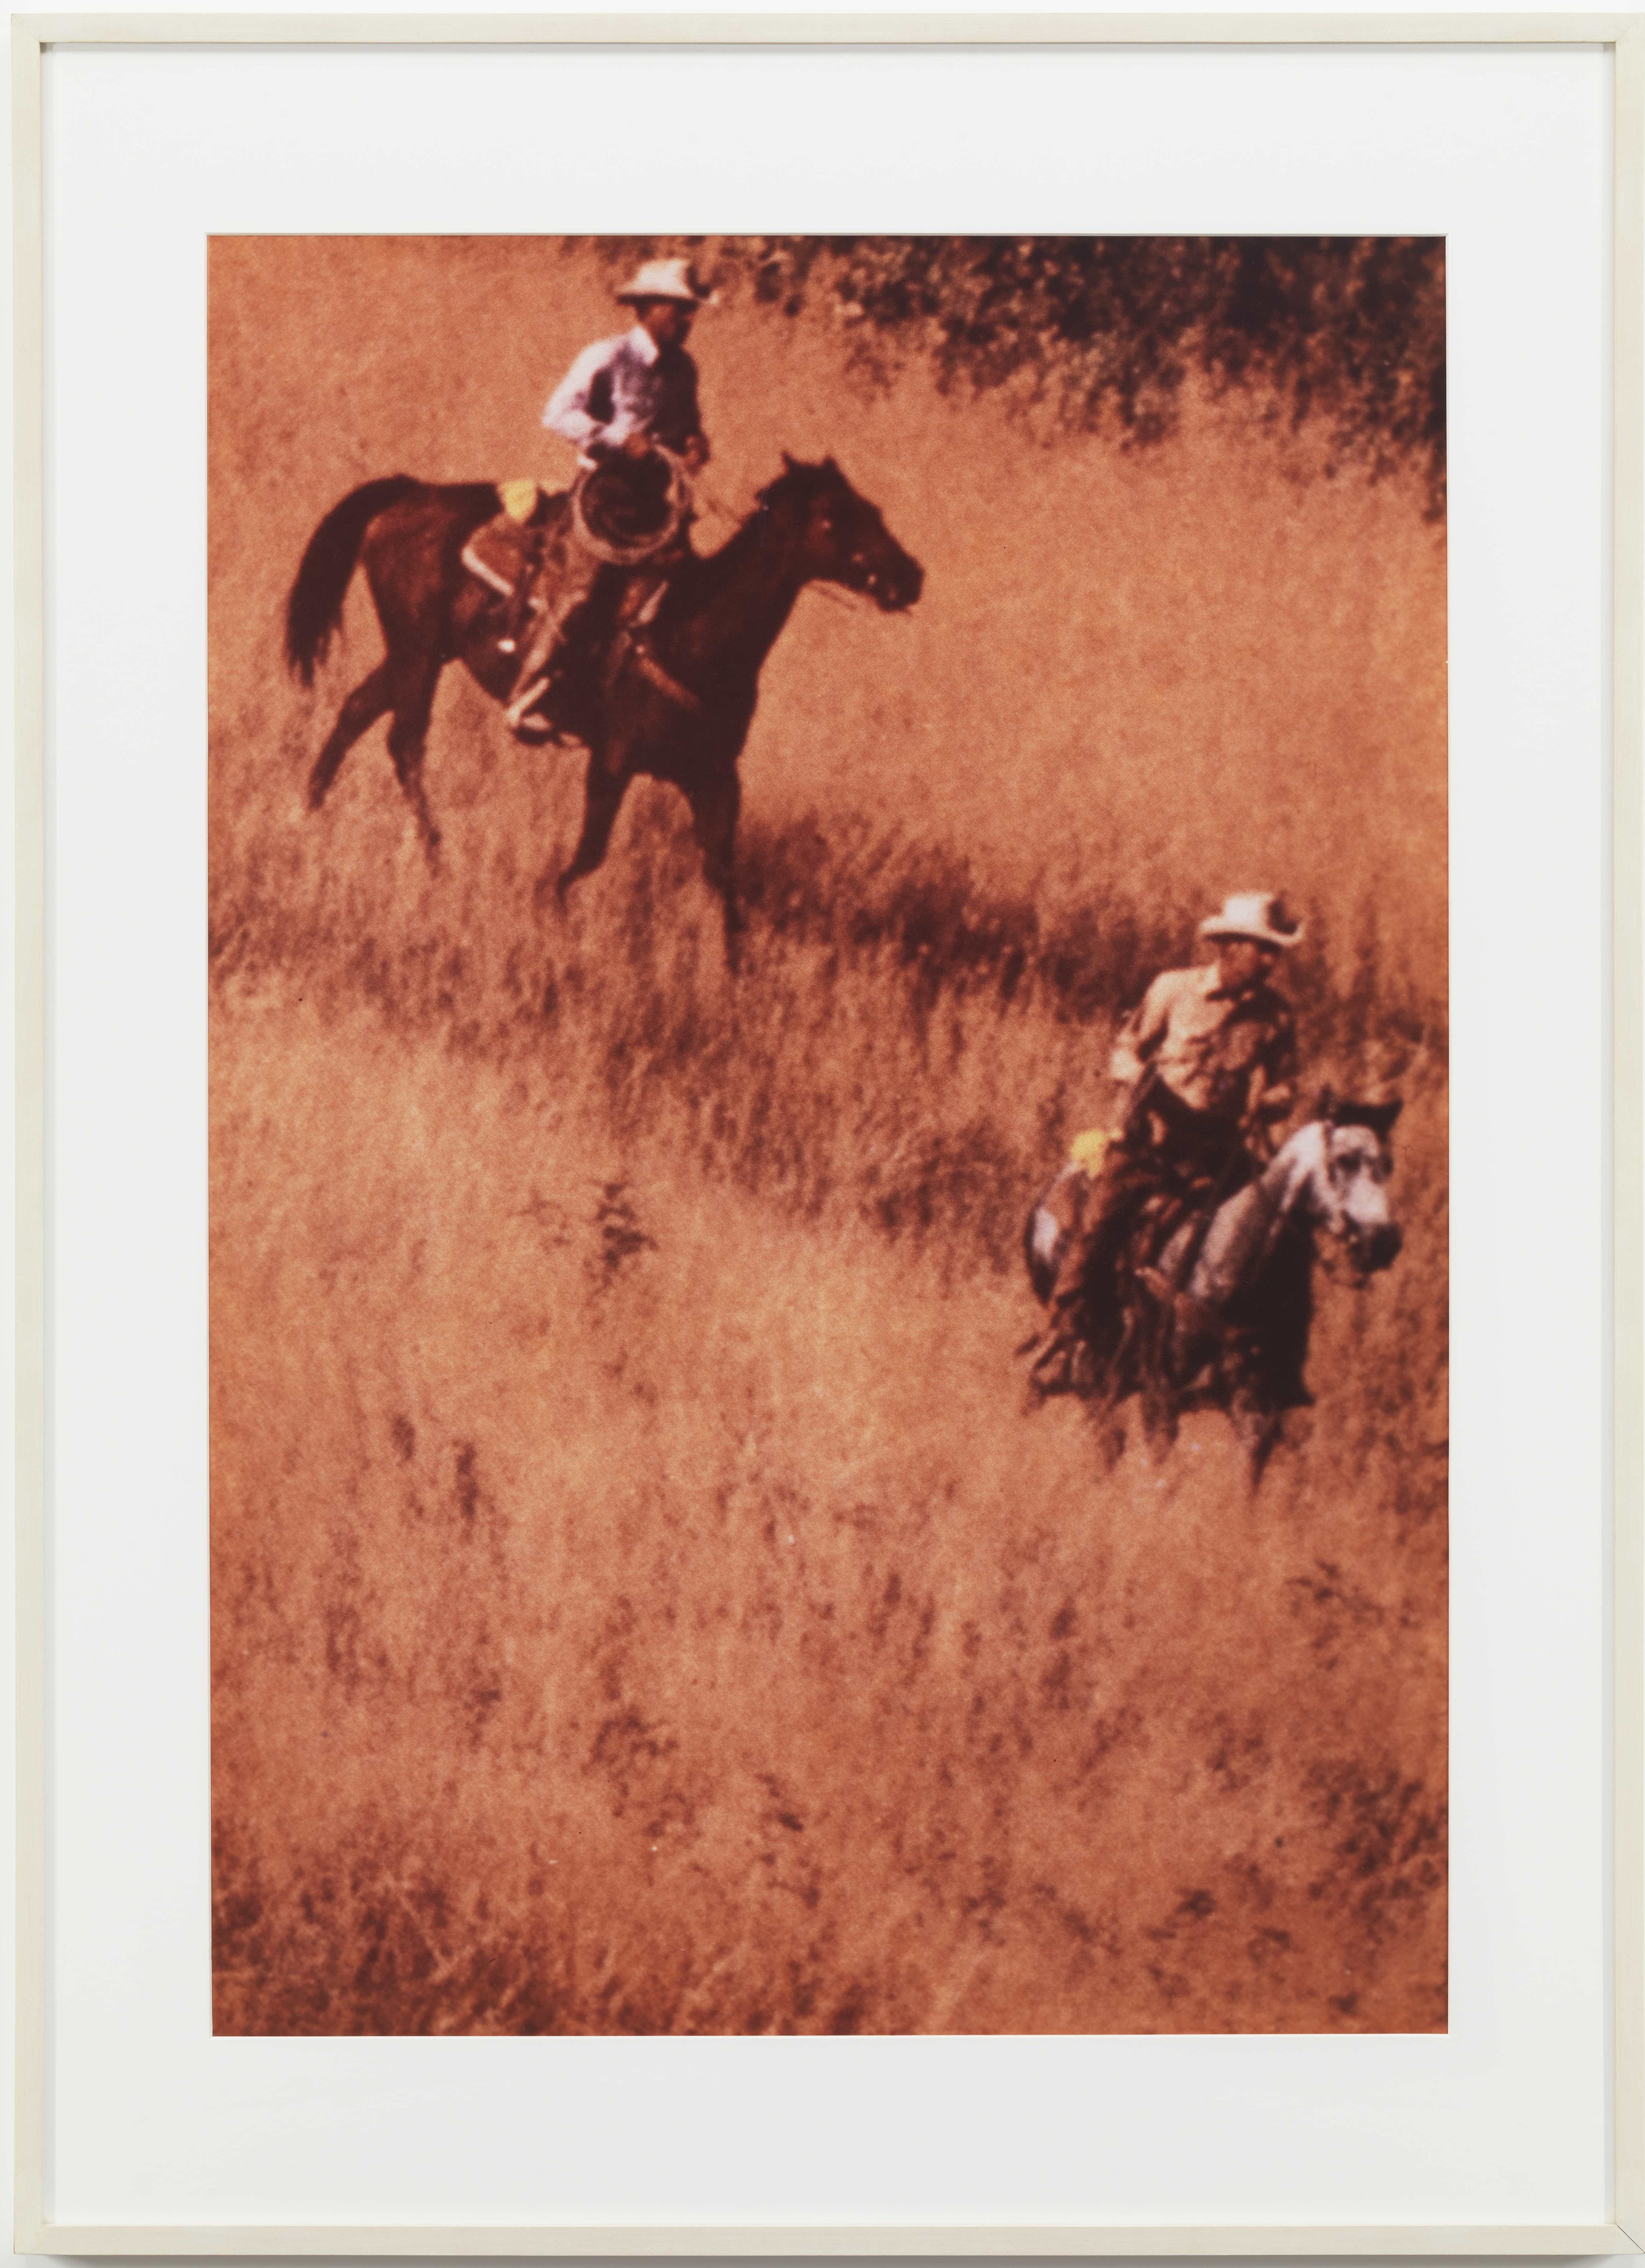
(565, 580)
(1059, 1362)
(1085, 1277)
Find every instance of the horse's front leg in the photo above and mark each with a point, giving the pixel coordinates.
(603, 799)
(715, 806)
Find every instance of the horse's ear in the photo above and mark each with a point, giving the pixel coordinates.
(1378, 1117)
(788, 462)
(1325, 1106)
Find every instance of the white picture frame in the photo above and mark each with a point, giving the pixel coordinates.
(37, 2228)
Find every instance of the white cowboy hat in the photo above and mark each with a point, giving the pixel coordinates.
(1259, 915)
(667, 279)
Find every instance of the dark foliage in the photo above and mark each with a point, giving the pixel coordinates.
(1343, 335)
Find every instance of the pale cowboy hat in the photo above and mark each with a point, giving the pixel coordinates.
(667, 279)
(1259, 915)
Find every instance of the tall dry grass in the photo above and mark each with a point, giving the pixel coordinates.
(640, 1602)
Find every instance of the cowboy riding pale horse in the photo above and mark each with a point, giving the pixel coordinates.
(677, 706)
(1220, 1317)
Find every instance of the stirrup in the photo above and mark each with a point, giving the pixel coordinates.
(518, 709)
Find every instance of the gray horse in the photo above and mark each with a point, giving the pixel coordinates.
(1219, 1318)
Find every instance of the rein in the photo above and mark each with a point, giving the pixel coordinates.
(661, 677)
(851, 600)
(650, 668)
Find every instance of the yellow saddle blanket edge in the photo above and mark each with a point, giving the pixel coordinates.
(1089, 1149)
(520, 498)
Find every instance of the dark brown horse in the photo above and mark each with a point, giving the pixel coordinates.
(679, 709)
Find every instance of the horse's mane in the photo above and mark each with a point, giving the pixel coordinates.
(800, 479)
(703, 574)
(1244, 1229)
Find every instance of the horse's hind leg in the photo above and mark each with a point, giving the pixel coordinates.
(1268, 1437)
(359, 713)
(1159, 1420)
(1260, 1429)
(413, 702)
(603, 799)
(714, 809)
(1107, 1428)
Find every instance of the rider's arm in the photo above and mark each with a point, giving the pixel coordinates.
(1275, 1076)
(1138, 1039)
(571, 408)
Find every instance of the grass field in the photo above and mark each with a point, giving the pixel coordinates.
(640, 1600)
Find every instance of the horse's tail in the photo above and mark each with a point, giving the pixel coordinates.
(316, 607)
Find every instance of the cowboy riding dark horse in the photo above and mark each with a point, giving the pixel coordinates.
(1206, 1065)
(588, 616)
(587, 567)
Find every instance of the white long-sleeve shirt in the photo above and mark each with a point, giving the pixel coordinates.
(621, 386)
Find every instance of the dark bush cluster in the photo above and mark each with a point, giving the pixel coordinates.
(1342, 334)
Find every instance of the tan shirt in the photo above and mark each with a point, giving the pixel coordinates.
(1234, 1055)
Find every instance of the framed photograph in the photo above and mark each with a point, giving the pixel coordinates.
(829, 1166)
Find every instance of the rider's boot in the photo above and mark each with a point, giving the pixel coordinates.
(530, 713)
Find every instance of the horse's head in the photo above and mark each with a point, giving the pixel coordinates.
(840, 537)
(1347, 1187)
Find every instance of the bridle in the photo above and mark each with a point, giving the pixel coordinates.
(1338, 1254)
(857, 600)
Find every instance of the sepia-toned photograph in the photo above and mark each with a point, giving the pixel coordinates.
(829, 1103)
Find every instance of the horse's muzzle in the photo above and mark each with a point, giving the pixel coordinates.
(893, 589)
(1374, 1248)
